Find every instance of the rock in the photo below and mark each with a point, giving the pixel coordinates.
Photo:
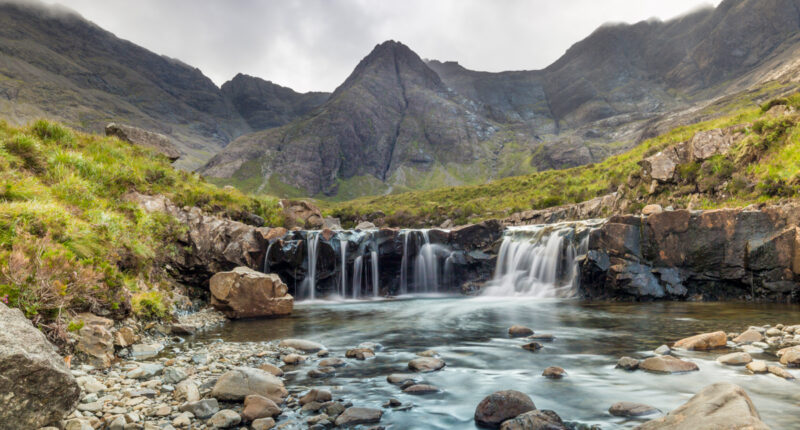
(332, 362)
(225, 418)
(183, 329)
(535, 420)
(333, 409)
(143, 352)
(355, 416)
(627, 363)
(652, 209)
(117, 423)
(667, 364)
(78, 425)
(236, 384)
(399, 378)
(791, 357)
(173, 375)
(155, 142)
(546, 337)
(293, 358)
(631, 409)
(263, 424)
(245, 293)
(749, 336)
(773, 332)
(757, 366)
(554, 372)
(315, 395)
(392, 403)
(532, 346)
(256, 407)
(662, 350)
(519, 331)
(735, 359)
(428, 353)
(36, 388)
(421, 389)
(359, 353)
(95, 339)
(202, 408)
(271, 369)
(426, 364)
(322, 372)
(186, 391)
(704, 341)
(145, 371)
(302, 213)
(500, 406)
(301, 345)
(718, 406)
(89, 384)
(125, 337)
(365, 225)
(780, 371)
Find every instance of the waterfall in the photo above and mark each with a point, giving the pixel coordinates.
(404, 264)
(357, 271)
(375, 277)
(310, 282)
(266, 258)
(343, 266)
(541, 260)
(426, 266)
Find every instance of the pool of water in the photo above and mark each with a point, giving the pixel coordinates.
(470, 334)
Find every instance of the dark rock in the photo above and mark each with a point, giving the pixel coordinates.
(554, 372)
(631, 409)
(355, 416)
(519, 331)
(535, 420)
(500, 406)
(628, 363)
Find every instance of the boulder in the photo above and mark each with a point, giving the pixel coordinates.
(791, 357)
(667, 364)
(735, 359)
(652, 209)
(365, 225)
(749, 336)
(223, 419)
(780, 372)
(628, 363)
(95, 339)
(147, 139)
(426, 364)
(718, 406)
(241, 382)
(704, 341)
(303, 214)
(535, 420)
(315, 395)
(271, 368)
(186, 391)
(500, 406)
(554, 372)
(202, 408)
(419, 389)
(519, 331)
(263, 424)
(36, 387)
(256, 407)
(125, 337)
(400, 378)
(631, 409)
(245, 293)
(757, 366)
(359, 353)
(301, 345)
(355, 416)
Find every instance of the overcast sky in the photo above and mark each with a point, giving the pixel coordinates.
(314, 44)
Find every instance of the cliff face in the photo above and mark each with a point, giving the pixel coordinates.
(399, 123)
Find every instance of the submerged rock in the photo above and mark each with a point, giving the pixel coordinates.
(426, 364)
(554, 372)
(399, 378)
(519, 331)
(500, 406)
(667, 364)
(718, 406)
(355, 416)
(36, 388)
(631, 409)
(532, 346)
(245, 293)
(780, 372)
(735, 359)
(704, 341)
(301, 345)
(535, 420)
(421, 389)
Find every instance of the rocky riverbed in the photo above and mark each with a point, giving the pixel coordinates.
(332, 365)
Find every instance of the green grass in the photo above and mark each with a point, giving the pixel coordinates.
(770, 156)
(69, 239)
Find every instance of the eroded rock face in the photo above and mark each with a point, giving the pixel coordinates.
(144, 138)
(245, 293)
(720, 406)
(36, 388)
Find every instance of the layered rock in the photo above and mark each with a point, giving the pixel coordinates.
(245, 293)
(714, 254)
(36, 387)
(156, 142)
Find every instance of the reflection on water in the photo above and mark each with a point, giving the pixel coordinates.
(471, 336)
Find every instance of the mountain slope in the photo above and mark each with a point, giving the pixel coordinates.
(56, 64)
(607, 93)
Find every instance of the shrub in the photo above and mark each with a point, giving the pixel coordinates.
(149, 305)
(51, 132)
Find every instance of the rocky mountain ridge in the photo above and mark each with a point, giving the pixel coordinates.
(607, 93)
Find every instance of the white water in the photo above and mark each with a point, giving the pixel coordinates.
(357, 272)
(541, 260)
(266, 258)
(375, 273)
(310, 282)
(404, 265)
(343, 266)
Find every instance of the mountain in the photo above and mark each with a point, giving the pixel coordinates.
(264, 104)
(56, 64)
(399, 123)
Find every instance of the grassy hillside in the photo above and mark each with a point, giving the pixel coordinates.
(770, 171)
(69, 240)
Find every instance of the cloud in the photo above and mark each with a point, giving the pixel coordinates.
(314, 44)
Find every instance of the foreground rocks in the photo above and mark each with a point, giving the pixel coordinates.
(36, 388)
(667, 364)
(500, 406)
(717, 339)
(718, 406)
(245, 293)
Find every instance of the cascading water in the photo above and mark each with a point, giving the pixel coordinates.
(357, 272)
(343, 266)
(310, 282)
(426, 266)
(404, 265)
(375, 274)
(266, 258)
(541, 260)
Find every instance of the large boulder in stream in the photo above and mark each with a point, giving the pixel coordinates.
(500, 406)
(718, 406)
(36, 388)
(245, 293)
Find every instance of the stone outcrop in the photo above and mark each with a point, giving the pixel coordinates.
(95, 340)
(36, 387)
(703, 145)
(302, 214)
(147, 139)
(598, 207)
(719, 406)
(245, 293)
(715, 254)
